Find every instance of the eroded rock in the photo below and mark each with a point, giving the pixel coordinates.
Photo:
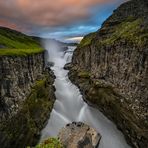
(79, 135)
(67, 66)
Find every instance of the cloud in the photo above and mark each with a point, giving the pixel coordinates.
(74, 39)
(26, 14)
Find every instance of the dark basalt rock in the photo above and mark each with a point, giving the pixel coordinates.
(49, 64)
(26, 99)
(67, 66)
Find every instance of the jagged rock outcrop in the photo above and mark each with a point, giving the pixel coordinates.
(111, 68)
(79, 135)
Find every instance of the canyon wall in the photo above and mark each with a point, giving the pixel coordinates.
(26, 89)
(27, 97)
(111, 68)
(18, 74)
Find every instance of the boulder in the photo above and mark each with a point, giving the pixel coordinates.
(67, 66)
(79, 135)
(50, 64)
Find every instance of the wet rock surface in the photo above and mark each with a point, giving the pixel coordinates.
(67, 66)
(79, 135)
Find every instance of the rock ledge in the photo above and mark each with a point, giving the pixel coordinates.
(79, 135)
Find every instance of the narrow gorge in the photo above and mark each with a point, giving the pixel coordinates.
(92, 94)
(69, 105)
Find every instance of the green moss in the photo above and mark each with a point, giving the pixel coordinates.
(22, 129)
(129, 30)
(102, 95)
(16, 43)
(84, 74)
(19, 52)
(87, 39)
(50, 143)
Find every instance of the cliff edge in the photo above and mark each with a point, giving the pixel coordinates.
(26, 89)
(111, 68)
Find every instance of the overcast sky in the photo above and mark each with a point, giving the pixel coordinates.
(61, 19)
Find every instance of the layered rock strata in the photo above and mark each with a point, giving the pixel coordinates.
(26, 99)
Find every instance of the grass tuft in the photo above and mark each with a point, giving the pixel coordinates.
(49, 143)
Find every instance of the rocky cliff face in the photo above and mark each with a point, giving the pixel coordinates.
(26, 90)
(18, 76)
(27, 97)
(111, 68)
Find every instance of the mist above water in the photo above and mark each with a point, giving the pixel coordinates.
(69, 105)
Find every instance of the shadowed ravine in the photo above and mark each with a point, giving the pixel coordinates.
(69, 105)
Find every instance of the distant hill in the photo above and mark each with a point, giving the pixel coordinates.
(13, 39)
(16, 43)
(13, 42)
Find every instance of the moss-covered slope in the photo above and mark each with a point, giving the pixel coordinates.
(16, 43)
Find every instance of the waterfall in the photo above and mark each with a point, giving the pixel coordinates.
(69, 105)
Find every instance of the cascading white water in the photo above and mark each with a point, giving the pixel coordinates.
(69, 105)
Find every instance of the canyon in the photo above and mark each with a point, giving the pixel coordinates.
(103, 82)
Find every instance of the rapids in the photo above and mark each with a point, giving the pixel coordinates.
(69, 105)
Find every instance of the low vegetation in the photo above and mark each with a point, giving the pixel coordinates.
(32, 116)
(87, 39)
(128, 30)
(19, 52)
(84, 74)
(16, 43)
(50, 143)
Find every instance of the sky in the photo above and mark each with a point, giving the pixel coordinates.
(66, 20)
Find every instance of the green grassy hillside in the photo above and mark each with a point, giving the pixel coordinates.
(15, 43)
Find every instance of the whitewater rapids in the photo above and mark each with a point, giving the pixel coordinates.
(69, 105)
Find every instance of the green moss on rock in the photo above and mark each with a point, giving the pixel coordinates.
(87, 39)
(129, 31)
(110, 103)
(49, 143)
(84, 74)
(23, 128)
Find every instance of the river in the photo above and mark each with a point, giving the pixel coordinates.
(69, 105)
